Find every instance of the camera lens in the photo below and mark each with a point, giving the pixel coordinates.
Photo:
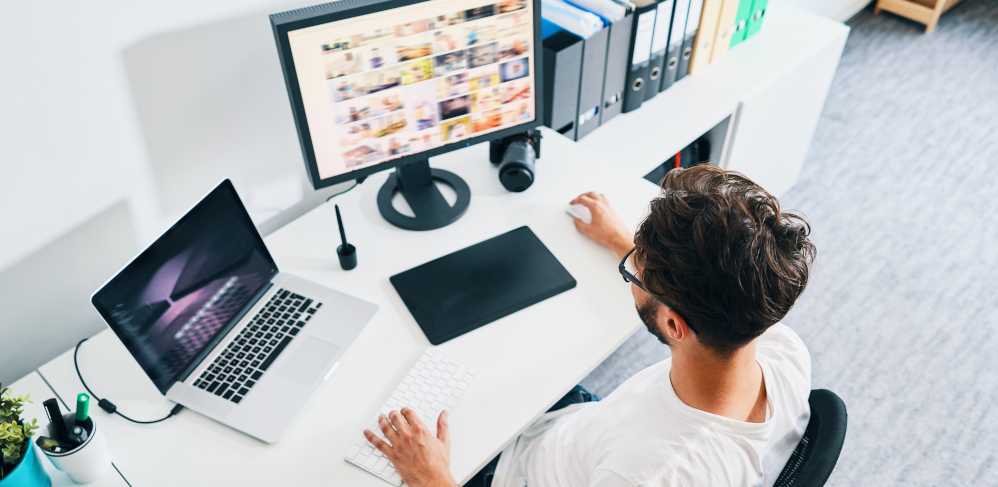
(516, 172)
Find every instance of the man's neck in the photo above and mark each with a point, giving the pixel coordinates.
(732, 387)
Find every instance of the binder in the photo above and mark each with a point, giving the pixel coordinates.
(755, 19)
(692, 23)
(562, 52)
(704, 42)
(675, 49)
(591, 82)
(725, 29)
(639, 53)
(741, 22)
(615, 79)
(659, 45)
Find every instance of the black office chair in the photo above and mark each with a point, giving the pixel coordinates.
(815, 456)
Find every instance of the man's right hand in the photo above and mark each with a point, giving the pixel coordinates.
(606, 228)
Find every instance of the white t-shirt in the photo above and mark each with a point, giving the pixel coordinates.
(644, 435)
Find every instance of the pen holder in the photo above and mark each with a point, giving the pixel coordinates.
(348, 256)
(88, 462)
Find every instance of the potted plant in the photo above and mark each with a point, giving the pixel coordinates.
(19, 462)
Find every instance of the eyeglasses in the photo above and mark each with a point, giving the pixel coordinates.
(629, 277)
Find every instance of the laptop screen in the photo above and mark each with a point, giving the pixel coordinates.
(169, 303)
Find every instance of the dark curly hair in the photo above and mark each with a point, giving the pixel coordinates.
(717, 246)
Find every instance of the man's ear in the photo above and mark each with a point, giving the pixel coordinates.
(673, 324)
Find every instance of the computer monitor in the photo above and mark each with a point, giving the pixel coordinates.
(377, 84)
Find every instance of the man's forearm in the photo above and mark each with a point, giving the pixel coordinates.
(622, 245)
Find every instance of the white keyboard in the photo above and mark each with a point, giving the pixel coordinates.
(435, 383)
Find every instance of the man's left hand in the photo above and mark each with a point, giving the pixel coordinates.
(421, 459)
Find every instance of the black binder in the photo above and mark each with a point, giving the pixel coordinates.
(659, 45)
(562, 68)
(477, 285)
(692, 24)
(675, 49)
(639, 54)
(591, 83)
(615, 79)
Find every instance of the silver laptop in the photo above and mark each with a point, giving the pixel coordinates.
(220, 330)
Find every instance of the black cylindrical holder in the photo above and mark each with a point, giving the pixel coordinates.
(348, 256)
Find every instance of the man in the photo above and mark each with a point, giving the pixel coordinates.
(715, 266)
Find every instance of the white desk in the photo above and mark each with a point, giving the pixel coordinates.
(527, 360)
(774, 86)
(33, 385)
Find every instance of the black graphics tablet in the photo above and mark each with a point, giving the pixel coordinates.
(475, 286)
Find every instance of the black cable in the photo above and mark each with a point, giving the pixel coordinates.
(355, 184)
(108, 406)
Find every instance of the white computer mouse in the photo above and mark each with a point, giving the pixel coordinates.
(580, 212)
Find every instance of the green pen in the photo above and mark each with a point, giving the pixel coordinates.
(82, 407)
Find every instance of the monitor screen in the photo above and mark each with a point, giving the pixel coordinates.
(169, 303)
(402, 81)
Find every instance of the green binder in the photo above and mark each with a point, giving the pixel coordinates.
(741, 22)
(755, 20)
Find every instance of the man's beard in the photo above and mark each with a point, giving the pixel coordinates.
(648, 313)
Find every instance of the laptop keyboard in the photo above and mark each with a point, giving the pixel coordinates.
(238, 368)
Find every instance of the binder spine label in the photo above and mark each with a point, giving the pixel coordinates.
(643, 38)
(660, 41)
(693, 19)
(678, 23)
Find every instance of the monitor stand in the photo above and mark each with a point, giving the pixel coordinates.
(416, 183)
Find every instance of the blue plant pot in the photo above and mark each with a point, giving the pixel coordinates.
(28, 473)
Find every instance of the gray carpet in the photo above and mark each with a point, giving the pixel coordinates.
(901, 315)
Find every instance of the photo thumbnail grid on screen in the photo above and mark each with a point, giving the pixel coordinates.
(397, 82)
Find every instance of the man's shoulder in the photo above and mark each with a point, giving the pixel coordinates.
(788, 360)
(781, 344)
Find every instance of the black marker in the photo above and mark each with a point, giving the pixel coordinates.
(78, 436)
(55, 417)
(52, 445)
(346, 252)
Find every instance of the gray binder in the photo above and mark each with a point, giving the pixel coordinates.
(692, 24)
(562, 71)
(675, 50)
(591, 83)
(659, 45)
(616, 68)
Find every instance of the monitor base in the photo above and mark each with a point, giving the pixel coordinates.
(416, 183)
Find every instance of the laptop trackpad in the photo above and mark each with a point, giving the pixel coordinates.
(308, 361)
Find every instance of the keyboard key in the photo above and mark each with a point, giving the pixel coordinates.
(353, 451)
(221, 389)
(213, 386)
(304, 306)
(294, 331)
(227, 394)
(243, 391)
(256, 375)
(277, 351)
(236, 399)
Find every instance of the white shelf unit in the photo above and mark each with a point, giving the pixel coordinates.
(773, 85)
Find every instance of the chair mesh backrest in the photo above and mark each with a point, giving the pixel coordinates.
(803, 451)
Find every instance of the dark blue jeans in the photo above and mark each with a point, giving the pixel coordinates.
(578, 394)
